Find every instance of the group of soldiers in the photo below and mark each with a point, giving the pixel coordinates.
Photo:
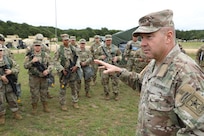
(72, 63)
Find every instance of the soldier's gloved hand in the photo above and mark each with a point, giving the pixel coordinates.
(4, 79)
(74, 69)
(8, 71)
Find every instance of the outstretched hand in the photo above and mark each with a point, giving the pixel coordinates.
(108, 67)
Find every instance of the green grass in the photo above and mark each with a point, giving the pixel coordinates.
(96, 116)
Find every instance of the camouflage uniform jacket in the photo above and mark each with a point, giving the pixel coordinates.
(43, 58)
(131, 49)
(68, 55)
(94, 47)
(109, 51)
(14, 66)
(172, 97)
(85, 56)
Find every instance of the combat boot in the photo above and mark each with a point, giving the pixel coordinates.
(45, 107)
(75, 105)
(107, 97)
(63, 108)
(34, 110)
(116, 96)
(17, 115)
(88, 95)
(2, 119)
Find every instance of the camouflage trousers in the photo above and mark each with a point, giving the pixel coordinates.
(86, 85)
(105, 82)
(95, 68)
(38, 88)
(7, 96)
(63, 88)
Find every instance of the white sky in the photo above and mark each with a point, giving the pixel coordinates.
(112, 14)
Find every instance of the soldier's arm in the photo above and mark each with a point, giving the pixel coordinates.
(27, 63)
(15, 68)
(56, 61)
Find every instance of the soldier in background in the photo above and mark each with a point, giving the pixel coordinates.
(7, 51)
(136, 60)
(93, 49)
(7, 93)
(73, 41)
(85, 60)
(67, 73)
(111, 54)
(39, 66)
(200, 57)
(171, 101)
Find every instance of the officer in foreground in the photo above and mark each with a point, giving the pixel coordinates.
(172, 94)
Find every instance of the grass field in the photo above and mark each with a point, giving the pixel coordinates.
(96, 116)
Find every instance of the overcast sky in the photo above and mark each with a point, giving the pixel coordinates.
(97, 14)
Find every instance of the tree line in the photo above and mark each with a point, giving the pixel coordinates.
(24, 30)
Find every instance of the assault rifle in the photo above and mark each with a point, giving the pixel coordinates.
(65, 78)
(40, 67)
(109, 58)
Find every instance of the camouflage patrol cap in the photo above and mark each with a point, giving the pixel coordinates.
(73, 38)
(154, 21)
(39, 37)
(82, 41)
(108, 37)
(37, 42)
(65, 36)
(96, 36)
(2, 37)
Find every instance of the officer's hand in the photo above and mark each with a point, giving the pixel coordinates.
(8, 71)
(74, 69)
(4, 79)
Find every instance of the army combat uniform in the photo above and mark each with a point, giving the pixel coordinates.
(6, 91)
(200, 57)
(110, 52)
(37, 81)
(63, 58)
(136, 60)
(85, 57)
(172, 97)
(93, 49)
